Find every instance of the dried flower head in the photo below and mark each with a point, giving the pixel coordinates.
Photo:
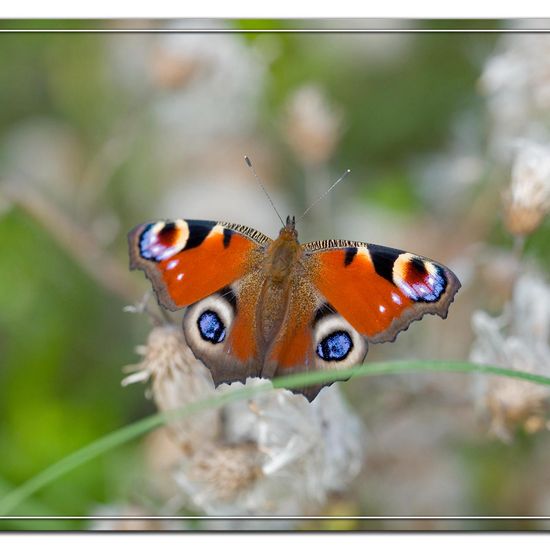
(520, 340)
(312, 125)
(178, 378)
(219, 473)
(527, 200)
(275, 453)
(295, 452)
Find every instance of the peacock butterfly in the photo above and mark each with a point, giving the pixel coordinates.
(258, 307)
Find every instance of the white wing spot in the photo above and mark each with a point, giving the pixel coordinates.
(172, 264)
(179, 277)
(381, 309)
(395, 297)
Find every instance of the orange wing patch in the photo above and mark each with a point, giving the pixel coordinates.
(189, 260)
(380, 290)
(369, 302)
(293, 348)
(193, 274)
(242, 341)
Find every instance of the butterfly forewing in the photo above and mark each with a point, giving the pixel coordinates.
(379, 290)
(187, 260)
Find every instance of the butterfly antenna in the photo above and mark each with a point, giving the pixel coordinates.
(348, 171)
(249, 164)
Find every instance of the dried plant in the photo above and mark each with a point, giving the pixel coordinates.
(273, 454)
(527, 200)
(516, 81)
(518, 339)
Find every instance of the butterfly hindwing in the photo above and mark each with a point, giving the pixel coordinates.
(220, 330)
(187, 260)
(379, 290)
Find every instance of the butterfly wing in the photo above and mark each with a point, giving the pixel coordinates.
(213, 267)
(221, 330)
(187, 260)
(379, 290)
(355, 293)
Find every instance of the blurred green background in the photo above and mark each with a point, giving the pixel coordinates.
(99, 132)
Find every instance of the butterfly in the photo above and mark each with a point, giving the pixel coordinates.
(258, 307)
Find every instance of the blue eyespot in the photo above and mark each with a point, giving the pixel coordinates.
(421, 285)
(335, 347)
(211, 327)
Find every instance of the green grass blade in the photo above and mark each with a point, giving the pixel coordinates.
(114, 439)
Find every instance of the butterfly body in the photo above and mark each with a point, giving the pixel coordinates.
(279, 271)
(262, 307)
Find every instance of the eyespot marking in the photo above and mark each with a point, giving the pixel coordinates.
(162, 240)
(211, 327)
(168, 234)
(420, 280)
(335, 347)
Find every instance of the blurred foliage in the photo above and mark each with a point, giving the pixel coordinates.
(63, 339)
